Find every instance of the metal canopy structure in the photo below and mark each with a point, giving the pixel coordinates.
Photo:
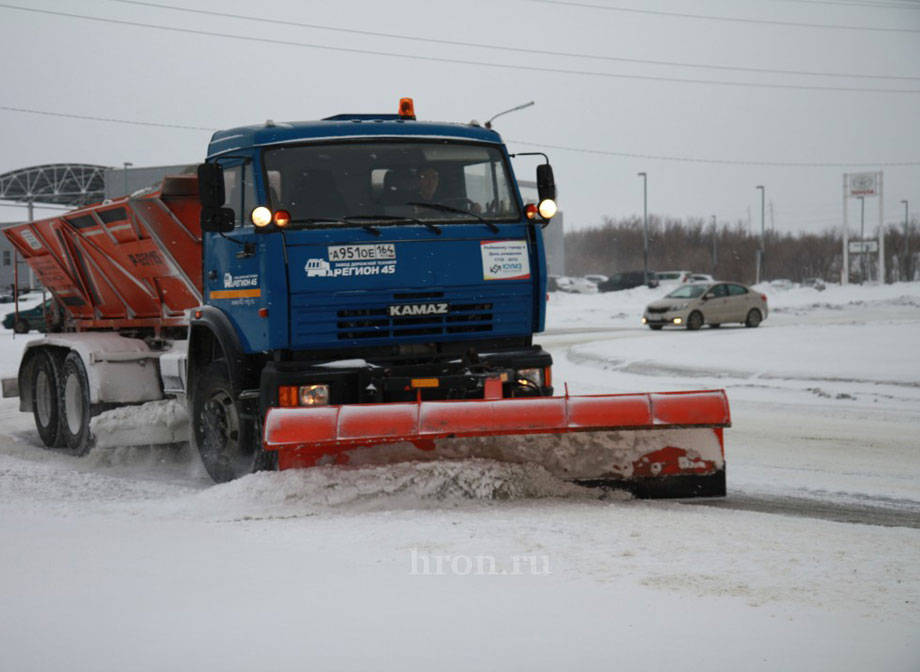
(70, 184)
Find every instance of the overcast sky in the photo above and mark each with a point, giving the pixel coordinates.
(709, 97)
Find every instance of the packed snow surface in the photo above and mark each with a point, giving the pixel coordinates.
(131, 559)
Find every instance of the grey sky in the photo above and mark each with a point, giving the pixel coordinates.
(706, 145)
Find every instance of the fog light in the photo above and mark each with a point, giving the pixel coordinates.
(678, 320)
(644, 321)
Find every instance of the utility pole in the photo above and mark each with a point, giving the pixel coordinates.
(761, 261)
(645, 225)
(862, 237)
(906, 244)
(715, 251)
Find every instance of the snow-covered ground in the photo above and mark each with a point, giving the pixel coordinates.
(131, 559)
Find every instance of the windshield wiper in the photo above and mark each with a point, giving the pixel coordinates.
(459, 211)
(327, 222)
(392, 219)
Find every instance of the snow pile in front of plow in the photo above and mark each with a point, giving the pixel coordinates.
(405, 485)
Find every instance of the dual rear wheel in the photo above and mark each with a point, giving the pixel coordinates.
(60, 401)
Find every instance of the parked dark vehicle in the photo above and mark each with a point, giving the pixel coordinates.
(627, 280)
(33, 318)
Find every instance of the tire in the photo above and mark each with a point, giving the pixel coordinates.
(753, 318)
(21, 326)
(46, 409)
(695, 321)
(75, 406)
(225, 432)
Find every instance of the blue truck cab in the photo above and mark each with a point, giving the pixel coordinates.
(361, 259)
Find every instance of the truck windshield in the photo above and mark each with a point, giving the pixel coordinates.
(394, 181)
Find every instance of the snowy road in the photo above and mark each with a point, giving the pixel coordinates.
(132, 559)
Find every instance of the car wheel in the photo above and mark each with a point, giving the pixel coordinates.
(21, 326)
(75, 406)
(695, 321)
(46, 372)
(753, 318)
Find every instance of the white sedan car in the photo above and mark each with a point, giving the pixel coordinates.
(714, 303)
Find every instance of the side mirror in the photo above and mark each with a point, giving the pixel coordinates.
(211, 185)
(708, 295)
(546, 183)
(211, 194)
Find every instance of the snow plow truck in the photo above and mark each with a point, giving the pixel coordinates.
(362, 289)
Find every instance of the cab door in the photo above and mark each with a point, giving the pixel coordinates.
(233, 279)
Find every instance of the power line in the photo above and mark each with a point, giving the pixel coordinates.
(726, 162)
(582, 150)
(106, 119)
(704, 17)
(519, 50)
(439, 59)
(905, 4)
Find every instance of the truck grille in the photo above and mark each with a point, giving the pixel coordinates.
(378, 323)
(367, 317)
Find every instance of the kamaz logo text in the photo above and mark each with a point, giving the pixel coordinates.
(412, 309)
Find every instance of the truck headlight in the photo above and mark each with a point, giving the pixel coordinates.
(303, 395)
(547, 208)
(534, 376)
(313, 395)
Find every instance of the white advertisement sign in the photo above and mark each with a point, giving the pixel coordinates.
(864, 184)
(863, 246)
(505, 260)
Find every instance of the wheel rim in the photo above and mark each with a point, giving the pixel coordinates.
(43, 399)
(221, 427)
(73, 404)
(754, 318)
(696, 321)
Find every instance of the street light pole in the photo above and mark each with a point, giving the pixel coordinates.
(760, 259)
(127, 165)
(906, 243)
(645, 225)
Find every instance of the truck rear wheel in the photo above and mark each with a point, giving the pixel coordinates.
(74, 396)
(46, 407)
(226, 435)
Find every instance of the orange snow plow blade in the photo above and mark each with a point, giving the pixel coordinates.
(655, 445)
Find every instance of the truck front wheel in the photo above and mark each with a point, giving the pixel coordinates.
(226, 437)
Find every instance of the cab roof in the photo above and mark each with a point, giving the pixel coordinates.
(343, 126)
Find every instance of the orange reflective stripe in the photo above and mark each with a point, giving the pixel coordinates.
(236, 294)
